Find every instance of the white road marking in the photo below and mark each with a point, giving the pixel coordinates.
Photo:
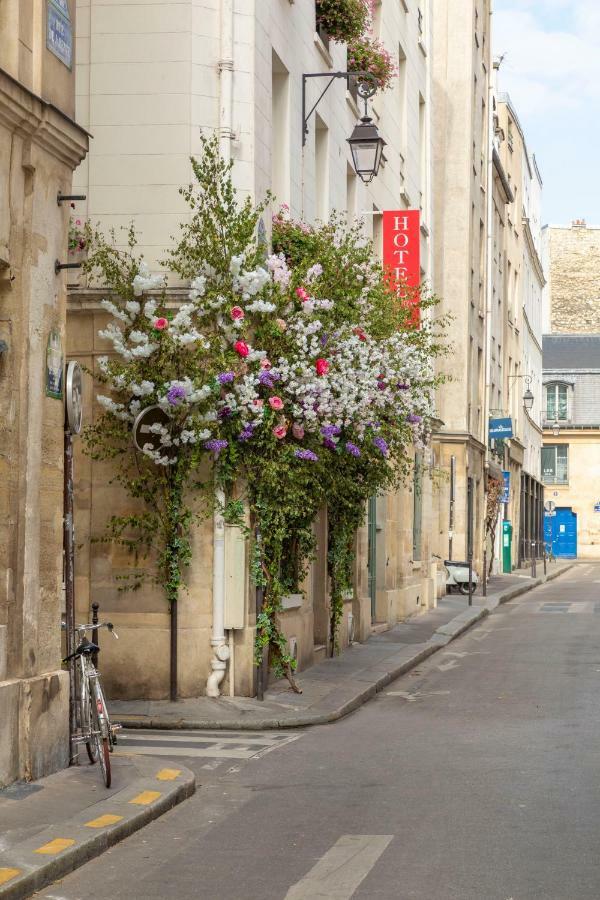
(451, 664)
(338, 874)
(416, 695)
(465, 653)
(197, 744)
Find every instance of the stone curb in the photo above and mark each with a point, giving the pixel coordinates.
(70, 844)
(446, 633)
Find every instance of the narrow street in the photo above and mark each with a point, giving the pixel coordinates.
(473, 778)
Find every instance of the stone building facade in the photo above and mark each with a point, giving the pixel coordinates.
(40, 145)
(571, 452)
(462, 67)
(574, 278)
(149, 79)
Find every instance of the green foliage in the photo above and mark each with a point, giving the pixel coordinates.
(343, 20)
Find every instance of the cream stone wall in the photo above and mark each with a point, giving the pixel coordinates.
(39, 148)
(461, 67)
(584, 478)
(574, 274)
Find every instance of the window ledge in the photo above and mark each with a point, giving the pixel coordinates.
(323, 50)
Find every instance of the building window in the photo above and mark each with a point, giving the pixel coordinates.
(555, 460)
(417, 507)
(557, 406)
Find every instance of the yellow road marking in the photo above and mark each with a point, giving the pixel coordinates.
(146, 797)
(103, 821)
(8, 874)
(168, 774)
(55, 846)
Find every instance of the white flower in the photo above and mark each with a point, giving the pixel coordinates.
(313, 273)
(145, 281)
(198, 287)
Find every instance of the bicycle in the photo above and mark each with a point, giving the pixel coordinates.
(95, 728)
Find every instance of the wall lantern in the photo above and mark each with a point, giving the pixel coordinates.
(366, 144)
(556, 428)
(528, 399)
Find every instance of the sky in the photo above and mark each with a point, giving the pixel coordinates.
(551, 69)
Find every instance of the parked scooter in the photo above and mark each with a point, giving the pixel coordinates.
(457, 577)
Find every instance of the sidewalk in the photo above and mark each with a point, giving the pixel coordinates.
(337, 686)
(54, 825)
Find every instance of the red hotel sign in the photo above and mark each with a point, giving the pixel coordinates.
(402, 246)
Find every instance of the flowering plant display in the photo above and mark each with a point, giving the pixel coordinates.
(365, 54)
(296, 375)
(76, 239)
(343, 20)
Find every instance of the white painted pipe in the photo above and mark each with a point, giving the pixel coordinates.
(218, 641)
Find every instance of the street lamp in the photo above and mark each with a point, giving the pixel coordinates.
(528, 399)
(556, 428)
(366, 144)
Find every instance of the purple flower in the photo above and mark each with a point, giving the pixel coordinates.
(246, 433)
(327, 442)
(352, 449)
(225, 377)
(224, 413)
(324, 339)
(215, 445)
(414, 419)
(268, 378)
(175, 394)
(381, 445)
(330, 431)
(306, 454)
(402, 386)
(381, 385)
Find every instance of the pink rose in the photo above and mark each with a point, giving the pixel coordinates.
(236, 312)
(281, 324)
(280, 431)
(241, 348)
(258, 403)
(322, 367)
(298, 431)
(265, 364)
(161, 324)
(302, 293)
(275, 402)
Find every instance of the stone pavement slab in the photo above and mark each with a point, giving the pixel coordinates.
(336, 687)
(56, 824)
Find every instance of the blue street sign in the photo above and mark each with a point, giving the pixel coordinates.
(501, 428)
(506, 494)
(59, 34)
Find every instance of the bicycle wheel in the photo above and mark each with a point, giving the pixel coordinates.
(101, 745)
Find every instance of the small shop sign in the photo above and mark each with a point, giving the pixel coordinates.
(500, 429)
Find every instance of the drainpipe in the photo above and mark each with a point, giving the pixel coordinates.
(218, 641)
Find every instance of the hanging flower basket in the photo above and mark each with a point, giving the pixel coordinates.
(367, 55)
(343, 20)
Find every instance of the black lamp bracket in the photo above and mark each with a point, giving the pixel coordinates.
(60, 197)
(58, 266)
(367, 86)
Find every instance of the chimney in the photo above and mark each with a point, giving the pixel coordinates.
(578, 223)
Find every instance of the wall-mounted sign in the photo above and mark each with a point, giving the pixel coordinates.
(402, 250)
(54, 366)
(74, 395)
(59, 32)
(506, 493)
(597, 507)
(501, 428)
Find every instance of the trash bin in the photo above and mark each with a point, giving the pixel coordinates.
(507, 547)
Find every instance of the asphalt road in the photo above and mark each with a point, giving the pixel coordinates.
(476, 777)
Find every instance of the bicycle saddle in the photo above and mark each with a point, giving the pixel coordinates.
(85, 647)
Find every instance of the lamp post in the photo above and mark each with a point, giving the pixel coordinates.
(366, 144)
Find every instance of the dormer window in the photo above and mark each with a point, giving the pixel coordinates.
(557, 403)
